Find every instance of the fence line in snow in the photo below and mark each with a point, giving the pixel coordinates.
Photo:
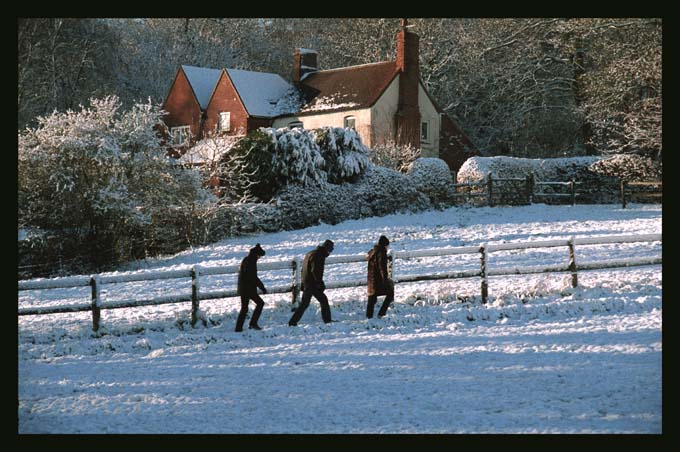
(530, 189)
(630, 190)
(96, 281)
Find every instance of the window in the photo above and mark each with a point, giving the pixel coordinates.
(425, 132)
(350, 122)
(179, 136)
(294, 124)
(225, 122)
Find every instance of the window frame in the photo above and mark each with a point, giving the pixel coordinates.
(181, 132)
(294, 124)
(354, 121)
(221, 115)
(427, 137)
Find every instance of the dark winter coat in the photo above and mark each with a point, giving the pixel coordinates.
(377, 271)
(248, 282)
(312, 268)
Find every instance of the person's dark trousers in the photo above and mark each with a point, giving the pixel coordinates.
(259, 304)
(373, 299)
(304, 303)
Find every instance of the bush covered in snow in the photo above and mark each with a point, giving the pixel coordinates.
(430, 176)
(379, 191)
(345, 155)
(392, 155)
(246, 170)
(268, 159)
(593, 187)
(101, 181)
(254, 217)
(296, 157)
(629, 167)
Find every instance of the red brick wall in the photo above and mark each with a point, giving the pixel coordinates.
(408, 113)
(181, 104)
(454, 146)
(225, 98)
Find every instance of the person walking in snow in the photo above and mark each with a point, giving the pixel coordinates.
(248, 282)
(379, 283)
(312, 282)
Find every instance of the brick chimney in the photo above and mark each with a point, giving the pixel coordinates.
(304, 62)
(407, 117)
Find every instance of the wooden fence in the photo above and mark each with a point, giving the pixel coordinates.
(529, 190)
(630, 190)
(96, 281)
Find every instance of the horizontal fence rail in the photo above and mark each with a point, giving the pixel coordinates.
(527, 189)
(640, 189)
(96, 304)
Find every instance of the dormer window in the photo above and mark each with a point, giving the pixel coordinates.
(224, 123)
(350, 122)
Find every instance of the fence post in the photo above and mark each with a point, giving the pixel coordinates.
(485, 282)
(391, 258)
(623, 194)
(572, 262)
(573, 192)
(489, 187)
(296, 283)
(96, 310)
(195, 288)
(529, 187)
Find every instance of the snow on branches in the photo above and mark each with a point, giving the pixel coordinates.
(431, 176)
(101, 176)
(629, 167)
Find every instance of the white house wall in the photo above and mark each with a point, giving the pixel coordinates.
(382, 113)
(376, 124)
(385, 108)
(362, 122)
(429, 113)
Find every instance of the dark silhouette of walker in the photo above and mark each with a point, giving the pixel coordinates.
(379, 282)
(312, 283)
(248, 282)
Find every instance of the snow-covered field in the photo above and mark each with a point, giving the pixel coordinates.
(539, 357)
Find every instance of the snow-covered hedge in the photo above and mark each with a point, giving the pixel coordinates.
(379, 191)
(593, 187)
(629, 167)
(431, 176)
(100, 179)
(345, 155)
(558, 169)
(268, 159)
(255, 217)
(296, 158)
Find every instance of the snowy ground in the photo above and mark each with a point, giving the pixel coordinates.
(539, 357)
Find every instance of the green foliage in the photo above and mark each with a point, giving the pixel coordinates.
(266, 160)
(246, 170)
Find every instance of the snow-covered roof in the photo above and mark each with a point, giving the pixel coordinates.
(352, 87)
(259, 91)
(202, 81)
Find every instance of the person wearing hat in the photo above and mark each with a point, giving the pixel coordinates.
(312, 282)
(379, 283)
(248, 282)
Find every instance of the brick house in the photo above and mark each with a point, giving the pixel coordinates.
(384, 101)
